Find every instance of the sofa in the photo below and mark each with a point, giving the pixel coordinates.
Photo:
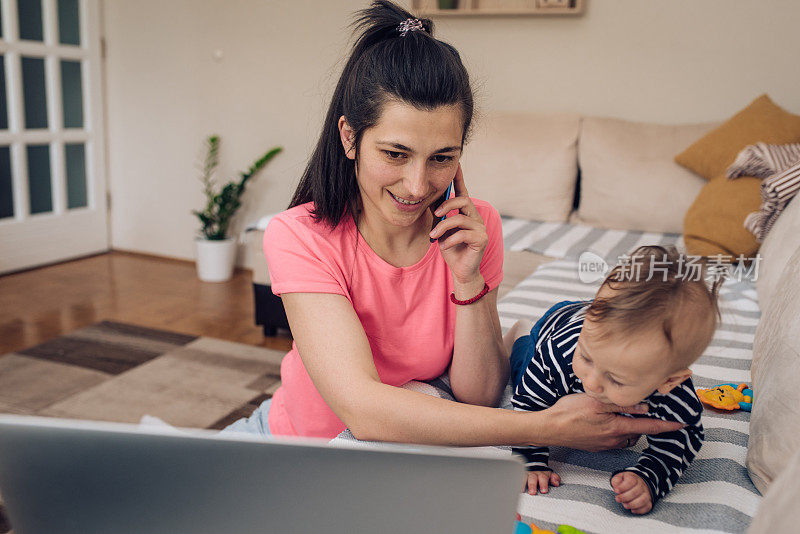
(569, 186)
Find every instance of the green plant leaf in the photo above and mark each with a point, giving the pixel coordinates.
(222, 206)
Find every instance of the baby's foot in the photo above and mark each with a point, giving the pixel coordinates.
(632, 492)
(541, 480)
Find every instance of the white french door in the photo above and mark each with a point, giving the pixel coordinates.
(52, 183)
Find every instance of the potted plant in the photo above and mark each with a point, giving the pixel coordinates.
(216, 252)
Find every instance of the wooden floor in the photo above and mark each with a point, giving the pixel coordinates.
(44, 303)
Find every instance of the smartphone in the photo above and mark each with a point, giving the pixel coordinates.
(435, 206)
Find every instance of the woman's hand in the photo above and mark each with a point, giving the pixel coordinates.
(583, 423)
(462, 237)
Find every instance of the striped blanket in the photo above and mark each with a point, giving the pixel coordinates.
(762, 160)
(779, 167)
(715, 493)
(567, 240)
(776, 193)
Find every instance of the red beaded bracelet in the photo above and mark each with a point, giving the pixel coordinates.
(477, 297)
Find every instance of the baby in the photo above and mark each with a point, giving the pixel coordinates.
(633, 343)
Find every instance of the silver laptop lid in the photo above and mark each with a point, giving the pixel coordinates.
(80, 477)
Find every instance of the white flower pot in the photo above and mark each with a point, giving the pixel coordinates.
(215, 259)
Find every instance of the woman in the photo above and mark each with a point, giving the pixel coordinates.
(375, 297)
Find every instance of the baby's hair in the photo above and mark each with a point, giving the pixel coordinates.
(659, 287)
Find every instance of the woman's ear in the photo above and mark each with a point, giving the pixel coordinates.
(348, 137)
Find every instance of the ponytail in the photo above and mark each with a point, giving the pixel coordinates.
(392, 58)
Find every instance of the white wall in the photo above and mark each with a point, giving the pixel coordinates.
(166, 93)
(666, 61)
(660, 61)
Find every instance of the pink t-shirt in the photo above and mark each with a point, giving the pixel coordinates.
(405, 311)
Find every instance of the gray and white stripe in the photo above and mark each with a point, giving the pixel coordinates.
(567, 240)
(776, 193)
(762, 160)
(715, 493)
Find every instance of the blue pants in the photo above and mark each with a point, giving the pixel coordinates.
(522, 350)
(255, 424)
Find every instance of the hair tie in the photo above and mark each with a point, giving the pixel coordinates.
(410, 25)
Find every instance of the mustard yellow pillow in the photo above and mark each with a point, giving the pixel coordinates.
(714, 223)
(761, 121)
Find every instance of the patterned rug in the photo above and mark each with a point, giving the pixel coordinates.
(119, 372)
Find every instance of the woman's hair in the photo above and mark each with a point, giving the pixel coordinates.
(385, 64)
(659, 287)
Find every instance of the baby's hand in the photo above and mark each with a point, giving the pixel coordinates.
(632, 492)
(540, 480)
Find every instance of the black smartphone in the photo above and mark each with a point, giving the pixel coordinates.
(435, 206)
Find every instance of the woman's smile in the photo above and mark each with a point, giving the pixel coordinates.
(404, 204)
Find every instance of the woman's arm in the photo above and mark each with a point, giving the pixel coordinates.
(337, 356)
(480, 368)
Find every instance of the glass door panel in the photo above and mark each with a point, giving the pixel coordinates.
(72, 93)
(75, 160)
(40, 188)
(3, 101)
(35, 94)
(30, 20)
(6, 190)
(69, 28)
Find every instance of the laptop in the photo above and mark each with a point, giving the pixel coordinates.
(69, 476)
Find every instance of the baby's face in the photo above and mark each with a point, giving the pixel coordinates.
(621, 369)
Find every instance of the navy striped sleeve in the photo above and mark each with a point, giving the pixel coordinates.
(548, 375)
(668, 454)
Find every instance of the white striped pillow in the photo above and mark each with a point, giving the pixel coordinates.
(762, 160)
(776, 192)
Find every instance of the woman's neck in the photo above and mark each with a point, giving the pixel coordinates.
(398, 246)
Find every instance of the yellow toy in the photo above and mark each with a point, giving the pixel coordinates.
(562, 529)
(727, 397)
(537, 530)
(522, 528)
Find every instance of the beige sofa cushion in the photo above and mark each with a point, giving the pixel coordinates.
(714, 223)
(629, 179)
(778, 512)
(775, 421)
(761, 121)
(255, 249)
(517, 265)
(525, 165)
(775, 251)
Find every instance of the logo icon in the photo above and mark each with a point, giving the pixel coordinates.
(591, 267)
